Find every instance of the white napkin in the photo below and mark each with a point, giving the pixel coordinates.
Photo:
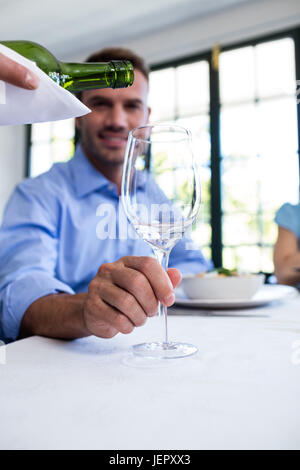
(49, 102)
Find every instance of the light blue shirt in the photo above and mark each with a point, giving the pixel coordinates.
(288, 216)
(58, 228)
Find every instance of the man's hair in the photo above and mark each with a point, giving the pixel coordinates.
(118, 53)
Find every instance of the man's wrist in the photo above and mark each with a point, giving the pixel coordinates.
(56, 315)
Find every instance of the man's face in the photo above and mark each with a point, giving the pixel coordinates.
(104, 131)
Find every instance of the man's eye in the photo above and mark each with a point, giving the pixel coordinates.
(133, 106)
(99, 105)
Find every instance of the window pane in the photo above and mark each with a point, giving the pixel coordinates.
(192, 83)
(41, 158)
(238, 131)
(279, 167)
(280, 181)
(249, 258)
(240, 185)
(62, 150)
(244, 258)
(266, 260)
(240, 229)
(162, 94)
(205, 178)
(275, 61)
(199, 127)
(268, 228)
(206, 250)
(202, 233)
(51, 142)
(237, 75)
(64, 129)
(41, 132)
(277, 127)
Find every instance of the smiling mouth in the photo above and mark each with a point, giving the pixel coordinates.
(113, 141)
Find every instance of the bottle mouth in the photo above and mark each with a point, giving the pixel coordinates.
(123, 72)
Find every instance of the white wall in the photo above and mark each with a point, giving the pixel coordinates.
(232, 25)
(12, 160)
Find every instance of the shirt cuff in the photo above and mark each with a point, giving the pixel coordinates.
(20, 294)
(192, 267)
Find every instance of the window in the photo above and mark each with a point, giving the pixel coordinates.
(249, 107)
(53, 140)
(259, 142)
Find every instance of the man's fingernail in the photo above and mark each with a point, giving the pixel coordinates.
(170, 300)
(31, 81)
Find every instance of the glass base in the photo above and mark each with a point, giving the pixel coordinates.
(164, 350)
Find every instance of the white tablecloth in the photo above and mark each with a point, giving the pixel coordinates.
(242, 390)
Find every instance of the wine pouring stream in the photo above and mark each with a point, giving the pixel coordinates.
(161, 197)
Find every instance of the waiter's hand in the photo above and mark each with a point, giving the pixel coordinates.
(16, 74)
(124, 293)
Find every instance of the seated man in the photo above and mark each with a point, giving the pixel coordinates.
(286, 250)
(59, 275)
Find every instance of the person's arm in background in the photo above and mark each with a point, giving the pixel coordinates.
(16, 74)
(287, 257)
(286, 253)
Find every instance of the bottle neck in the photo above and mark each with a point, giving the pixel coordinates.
(89, 76)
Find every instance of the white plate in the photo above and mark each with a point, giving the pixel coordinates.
(266, 295)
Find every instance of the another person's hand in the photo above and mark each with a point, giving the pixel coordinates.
(124, 293)
(16, 74)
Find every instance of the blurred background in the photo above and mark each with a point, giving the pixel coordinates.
(227, 69)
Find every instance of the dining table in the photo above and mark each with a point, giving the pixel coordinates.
(241, 390)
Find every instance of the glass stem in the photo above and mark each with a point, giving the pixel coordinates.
(163, 259)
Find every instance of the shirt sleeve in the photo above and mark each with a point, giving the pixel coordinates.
(28, 252)
(288, 216)
(188, 258)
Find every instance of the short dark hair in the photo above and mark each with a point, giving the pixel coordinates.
(118, 53)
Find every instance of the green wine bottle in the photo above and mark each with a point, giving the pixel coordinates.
(76, 77)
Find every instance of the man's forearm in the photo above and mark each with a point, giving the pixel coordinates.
(55, 316)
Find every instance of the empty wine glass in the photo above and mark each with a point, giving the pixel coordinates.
(161, 198)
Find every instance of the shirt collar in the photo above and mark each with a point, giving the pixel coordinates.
(86, 177)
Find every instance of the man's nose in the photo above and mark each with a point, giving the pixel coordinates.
(116, 117)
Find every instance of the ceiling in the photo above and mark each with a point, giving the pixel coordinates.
(73, 29)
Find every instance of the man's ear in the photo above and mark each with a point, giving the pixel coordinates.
(78, 123)
(149, 112)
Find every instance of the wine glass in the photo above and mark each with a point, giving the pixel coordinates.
(161, 198)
